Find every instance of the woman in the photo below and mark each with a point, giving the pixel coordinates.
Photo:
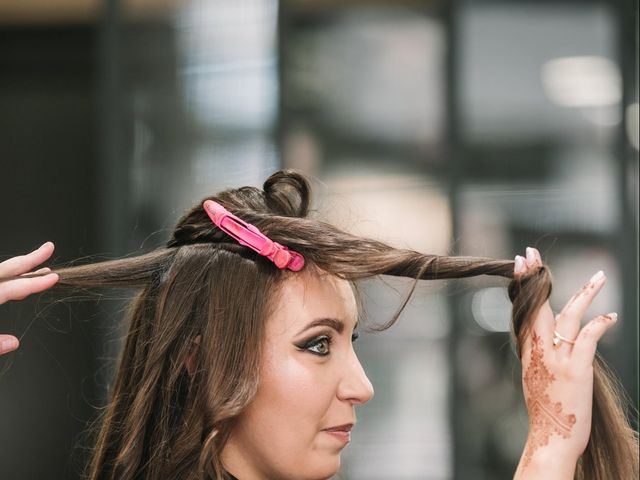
(239, 360)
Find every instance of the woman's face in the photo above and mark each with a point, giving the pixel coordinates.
(310, 382)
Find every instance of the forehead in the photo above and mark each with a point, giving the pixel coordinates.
(306, 296)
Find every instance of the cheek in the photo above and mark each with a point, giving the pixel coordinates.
(297, 392)
(283, 423)
(280, 431)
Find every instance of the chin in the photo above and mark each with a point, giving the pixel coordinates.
(324, 468)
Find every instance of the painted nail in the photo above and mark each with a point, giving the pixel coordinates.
(597, 277)
(531, 256)
(519, 264)
(9, 345)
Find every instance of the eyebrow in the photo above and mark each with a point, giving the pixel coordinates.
(335, 323)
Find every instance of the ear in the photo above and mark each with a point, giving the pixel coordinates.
(191, 361)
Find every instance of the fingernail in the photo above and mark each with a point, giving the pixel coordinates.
(597, 277)
(9, 345)
(531, 257)
(613, 316)
(44, 245)
(519, 264)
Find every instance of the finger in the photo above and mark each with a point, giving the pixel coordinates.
(568, 320)
(584, 349)
(564, 344)
(43, 270)
(519, 267)
(529, 265)
(8, 343)
(23, 287)
(25, 263)
(534, 260)
(40, 271)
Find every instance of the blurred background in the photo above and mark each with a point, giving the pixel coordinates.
(452, 127)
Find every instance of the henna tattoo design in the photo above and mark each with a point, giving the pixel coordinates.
(586, 288)
(545, 417)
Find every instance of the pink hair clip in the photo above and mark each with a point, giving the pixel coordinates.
(249, 236)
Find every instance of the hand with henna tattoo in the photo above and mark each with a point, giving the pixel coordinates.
(13, 287)
(558, 379)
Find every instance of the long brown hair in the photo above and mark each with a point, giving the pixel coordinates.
(163, 423)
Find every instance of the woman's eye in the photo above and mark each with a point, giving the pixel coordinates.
(319, 346)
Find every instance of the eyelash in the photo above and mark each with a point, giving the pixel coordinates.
(324, 339)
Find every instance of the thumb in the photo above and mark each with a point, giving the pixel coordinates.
(8, 343)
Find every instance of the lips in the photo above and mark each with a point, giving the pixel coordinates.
(342, 433)
(340, 428)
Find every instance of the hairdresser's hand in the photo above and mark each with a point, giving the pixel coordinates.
(558, 380)
(19, 288)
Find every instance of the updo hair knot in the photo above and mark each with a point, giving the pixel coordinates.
(287, 193)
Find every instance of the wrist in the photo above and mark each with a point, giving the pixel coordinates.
(546, 462)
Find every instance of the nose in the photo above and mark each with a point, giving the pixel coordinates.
(355, 386)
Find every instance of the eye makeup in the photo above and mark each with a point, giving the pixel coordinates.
(320, 344)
